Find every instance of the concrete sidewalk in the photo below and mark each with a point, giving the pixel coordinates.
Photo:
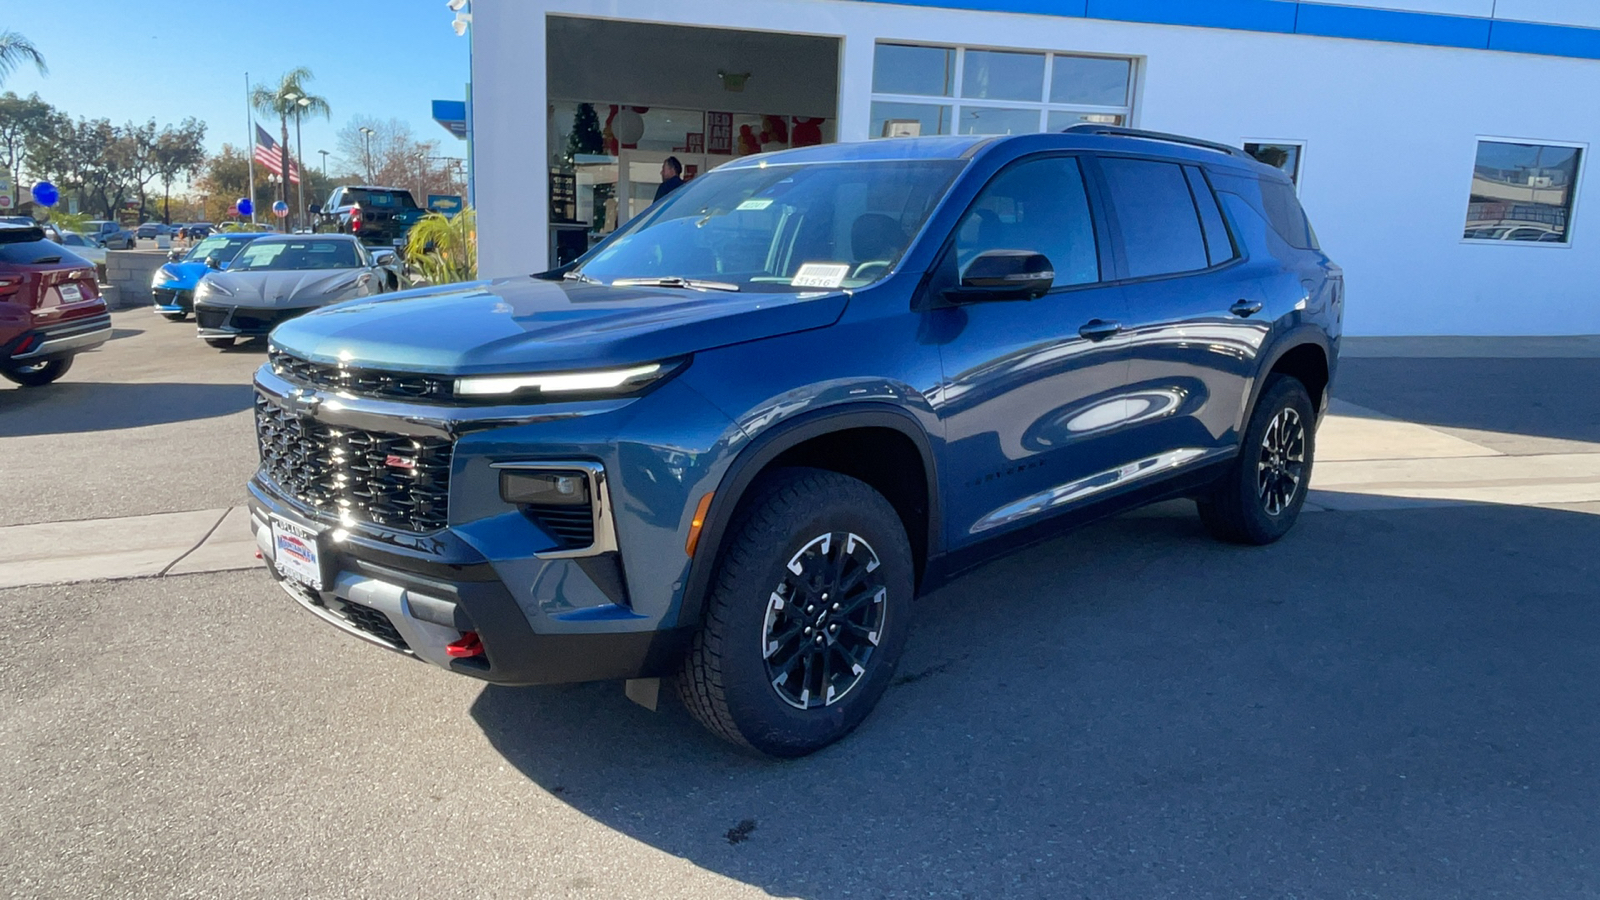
(203, 540)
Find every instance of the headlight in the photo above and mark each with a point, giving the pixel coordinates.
(208, 289)
(609, 382)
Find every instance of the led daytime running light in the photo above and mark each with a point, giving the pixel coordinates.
(561, 382)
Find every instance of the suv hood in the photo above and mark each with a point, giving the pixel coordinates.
(529, 325)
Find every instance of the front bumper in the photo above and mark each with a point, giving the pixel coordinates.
(415, 605)
(173, 300)
(222, 320)
(60, 339)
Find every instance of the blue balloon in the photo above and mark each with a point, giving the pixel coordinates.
(45, 194)
(244, 206)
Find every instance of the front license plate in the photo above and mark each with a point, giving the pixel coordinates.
(294, 552)
(70, 293)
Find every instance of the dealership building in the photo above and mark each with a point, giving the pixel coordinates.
(1440, 147)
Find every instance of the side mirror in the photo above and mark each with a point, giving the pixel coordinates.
(316, 209)
(213, 263)
(1005, 275)
(174, 256)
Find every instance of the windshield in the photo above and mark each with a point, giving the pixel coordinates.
(380, 199)
(780, 228)
(223, 247)
(307, 254)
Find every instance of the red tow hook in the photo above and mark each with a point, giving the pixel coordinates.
(465, 648)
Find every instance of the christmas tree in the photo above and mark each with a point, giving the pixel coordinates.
(585, 136)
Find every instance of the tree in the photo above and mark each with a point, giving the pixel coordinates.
(288, 98)
(20, 119)
(225, 178)
(398, 158)
(586, 136)
(16, 50)
(137, 148)
(444, 249)
(178, 151)
(89, 156)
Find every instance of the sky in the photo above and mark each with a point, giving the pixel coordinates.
(131, 60)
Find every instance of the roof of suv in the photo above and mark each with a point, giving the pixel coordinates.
(1092, 137)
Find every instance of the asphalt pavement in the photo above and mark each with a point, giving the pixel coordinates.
(1395, 701)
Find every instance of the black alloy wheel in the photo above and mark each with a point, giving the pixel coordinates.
(1281, 463)
(824, 620)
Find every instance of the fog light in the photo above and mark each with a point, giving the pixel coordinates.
(544, 488)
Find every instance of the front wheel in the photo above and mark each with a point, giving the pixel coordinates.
(1260, 497)
(174, 316)
(806, 617)
(221, 343)
(39, 374)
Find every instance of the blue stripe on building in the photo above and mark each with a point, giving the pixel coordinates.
(1320, 19)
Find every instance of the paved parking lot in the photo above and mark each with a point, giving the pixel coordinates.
(1396, 701)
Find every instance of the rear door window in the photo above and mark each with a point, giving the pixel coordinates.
(1156, 215)
(1219, 244)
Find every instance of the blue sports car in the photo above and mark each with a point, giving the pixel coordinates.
(174, 283)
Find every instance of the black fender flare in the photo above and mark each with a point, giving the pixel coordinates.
(766, 447)
(1300, 337)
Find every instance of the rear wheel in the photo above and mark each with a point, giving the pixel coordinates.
(39, 374)
(806, 618)
(221, 343)
(1260, 498)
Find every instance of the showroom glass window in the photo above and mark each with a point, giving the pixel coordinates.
(920, 90)
(1522, 192)
(1284, 155)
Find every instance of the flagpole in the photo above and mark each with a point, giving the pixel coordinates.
(250, 158)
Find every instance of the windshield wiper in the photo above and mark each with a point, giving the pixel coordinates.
(579, 276)
(673, 281)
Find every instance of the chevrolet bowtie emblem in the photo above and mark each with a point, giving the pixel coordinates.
(301, 402)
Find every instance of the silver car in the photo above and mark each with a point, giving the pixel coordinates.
(279, 277)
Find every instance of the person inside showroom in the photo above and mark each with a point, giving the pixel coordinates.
(671, 177)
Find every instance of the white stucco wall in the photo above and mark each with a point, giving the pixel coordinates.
(1390, 132)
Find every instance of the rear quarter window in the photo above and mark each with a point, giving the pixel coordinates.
(1283, 210)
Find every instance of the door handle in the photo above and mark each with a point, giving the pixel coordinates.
(1099, 329)
(1244, 309)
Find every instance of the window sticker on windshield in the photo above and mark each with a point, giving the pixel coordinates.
(821, 275)
(755, 203)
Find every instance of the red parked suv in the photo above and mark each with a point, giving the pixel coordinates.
(50, 307)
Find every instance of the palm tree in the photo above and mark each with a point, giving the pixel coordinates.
(16, 50)
(288, 97)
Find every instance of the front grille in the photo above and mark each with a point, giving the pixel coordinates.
(169, 297)
(573, 526)
(262, 320)
(208, 317)
(363, 382)
(374, 623)
(392, 480)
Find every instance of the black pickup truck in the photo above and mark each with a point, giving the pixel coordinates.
(377, 216)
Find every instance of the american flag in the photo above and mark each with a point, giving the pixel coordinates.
(268, 154)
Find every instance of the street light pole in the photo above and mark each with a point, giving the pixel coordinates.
(300, 162)
(324, 163)
(366, 134)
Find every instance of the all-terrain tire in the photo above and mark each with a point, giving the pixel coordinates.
(39, 374)
(726, 680)
(1260, 497)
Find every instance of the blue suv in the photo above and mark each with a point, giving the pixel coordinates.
(731, 445)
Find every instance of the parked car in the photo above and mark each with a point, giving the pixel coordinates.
(111, 235)
(148, 230)
(80, 245)
(732, 443)
(195, 231)
(278, 277)
(172, 286)
(50, 307)
(379, 216)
